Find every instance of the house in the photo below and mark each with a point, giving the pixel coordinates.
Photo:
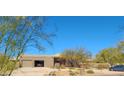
(43, 61)
(39, 60)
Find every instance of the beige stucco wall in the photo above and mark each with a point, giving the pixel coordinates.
(28, 61)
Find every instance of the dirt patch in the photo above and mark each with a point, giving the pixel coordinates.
(37, 71)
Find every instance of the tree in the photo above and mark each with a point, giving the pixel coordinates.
(19, 33)
(109, 55)
(75, 56)
(120, 46)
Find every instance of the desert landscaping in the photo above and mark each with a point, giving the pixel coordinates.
(29, 47)
(27, 71)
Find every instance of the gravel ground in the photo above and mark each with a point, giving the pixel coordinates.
(28, 71)
(106, 72)
(64, 72)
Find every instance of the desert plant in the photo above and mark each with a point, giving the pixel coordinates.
(111, 55)
(57, 66)
(73, 72)
(62, 66)
(75, 56)
(53, 73)
(102, 66)
(86, 65)
(90, 72)
(17, 33)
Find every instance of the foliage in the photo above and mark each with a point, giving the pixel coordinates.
(112, 55)
(17, 33)
(62, 66)
(53, 73)
(75, 57)
(8, 65)
(73, 73)
(86, 65)
(57, 66)
(102, 66)
(90, 72)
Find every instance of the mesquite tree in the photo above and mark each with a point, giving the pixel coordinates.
(112, 56)
(75, 56)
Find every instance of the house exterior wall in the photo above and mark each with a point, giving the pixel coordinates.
(28, 61)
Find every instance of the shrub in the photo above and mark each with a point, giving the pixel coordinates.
(86, 65)
(90, 71)
(103, 66)
(19, 64)
(62, 66)
(73, 73)
(53, 73)
(7, 68)
(57, 66)
(6, 65)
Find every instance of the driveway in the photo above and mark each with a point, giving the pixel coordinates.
(28, 71)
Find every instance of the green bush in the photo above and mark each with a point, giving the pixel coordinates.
(6, 65)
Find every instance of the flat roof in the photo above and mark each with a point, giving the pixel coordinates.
(40, 55)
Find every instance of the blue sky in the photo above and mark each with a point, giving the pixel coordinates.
(92, 32)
